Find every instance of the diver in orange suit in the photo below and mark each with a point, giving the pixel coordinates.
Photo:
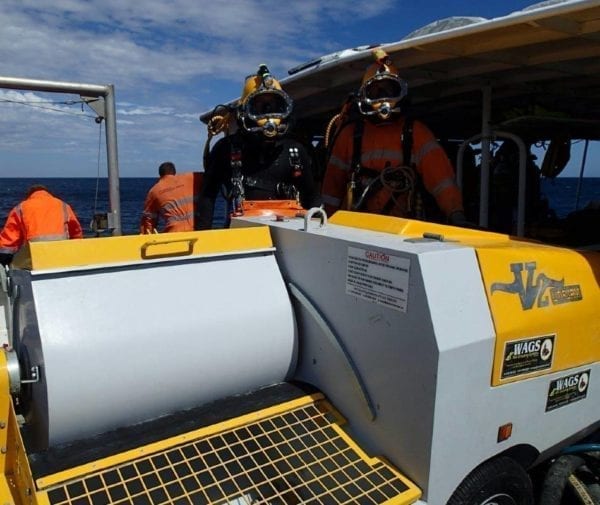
(40, 216)
(367, 171)
(174, 198)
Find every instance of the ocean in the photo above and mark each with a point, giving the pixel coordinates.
(88, 196)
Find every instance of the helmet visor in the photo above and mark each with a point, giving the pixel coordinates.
(385, 88)
(268, 104)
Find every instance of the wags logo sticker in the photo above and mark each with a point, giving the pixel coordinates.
(567, 389)
(527, 356)
(537, 289)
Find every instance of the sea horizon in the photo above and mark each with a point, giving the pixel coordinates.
(89, 195)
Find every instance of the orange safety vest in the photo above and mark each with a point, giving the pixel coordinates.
(174, 198)
(381, 147)
(40, 216)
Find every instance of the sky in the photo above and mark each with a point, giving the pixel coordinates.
(170, 61)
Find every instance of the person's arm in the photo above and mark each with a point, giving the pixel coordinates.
(337, 173)
(437, 172)
(149, 219)
(211, 184)
(11, 236)
(73, 224)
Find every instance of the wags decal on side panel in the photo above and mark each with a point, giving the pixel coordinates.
(527, 355)
(567, 389)
(537, 288)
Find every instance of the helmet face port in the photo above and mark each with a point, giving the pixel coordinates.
(264, 106)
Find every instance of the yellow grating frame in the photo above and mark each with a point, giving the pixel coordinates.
(292, 453)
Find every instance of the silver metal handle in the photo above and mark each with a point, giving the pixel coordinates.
(315, 211)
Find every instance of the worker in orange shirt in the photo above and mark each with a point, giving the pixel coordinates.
(380, 159)
(174, 198)
(41, 216)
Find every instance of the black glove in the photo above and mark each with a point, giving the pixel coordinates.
(5, 258)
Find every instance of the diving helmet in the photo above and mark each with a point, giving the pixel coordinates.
(382, 89)
(264, 106)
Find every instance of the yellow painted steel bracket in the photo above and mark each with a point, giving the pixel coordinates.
(16, 481)
(115, 250)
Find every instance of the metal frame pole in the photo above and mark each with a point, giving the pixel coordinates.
(112, 159)
(522, 189)
(484, 186)
(581, 170)
(91, 90)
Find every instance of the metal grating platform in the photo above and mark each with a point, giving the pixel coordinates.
(289, 454)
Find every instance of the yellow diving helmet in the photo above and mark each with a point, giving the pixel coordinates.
(264, 106)
(382, 88)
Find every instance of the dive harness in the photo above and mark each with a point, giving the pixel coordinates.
(366, 182)
(239, 182)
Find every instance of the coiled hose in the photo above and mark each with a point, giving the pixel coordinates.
(569, 469)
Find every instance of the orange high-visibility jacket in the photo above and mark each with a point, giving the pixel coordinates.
(40, 216)
(174, 198)
(382, 147)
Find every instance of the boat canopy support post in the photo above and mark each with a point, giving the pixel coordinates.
(486, 137)
(88, 90)
(112, 159)
(581, 170)
(521, 195)
(484, 187)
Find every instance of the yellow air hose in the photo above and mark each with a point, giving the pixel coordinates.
(330, 125)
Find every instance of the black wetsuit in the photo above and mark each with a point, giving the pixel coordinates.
(266, 168)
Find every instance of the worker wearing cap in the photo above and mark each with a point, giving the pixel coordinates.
(380, 160)
(41, 216)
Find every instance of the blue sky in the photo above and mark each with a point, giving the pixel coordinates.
(170, 61)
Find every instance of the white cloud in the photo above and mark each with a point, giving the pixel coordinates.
(157, 41)
(144, 111)
(169, 61)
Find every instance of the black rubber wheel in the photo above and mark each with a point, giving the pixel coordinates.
(500, 481)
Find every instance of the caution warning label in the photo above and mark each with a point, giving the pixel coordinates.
(378, 277)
